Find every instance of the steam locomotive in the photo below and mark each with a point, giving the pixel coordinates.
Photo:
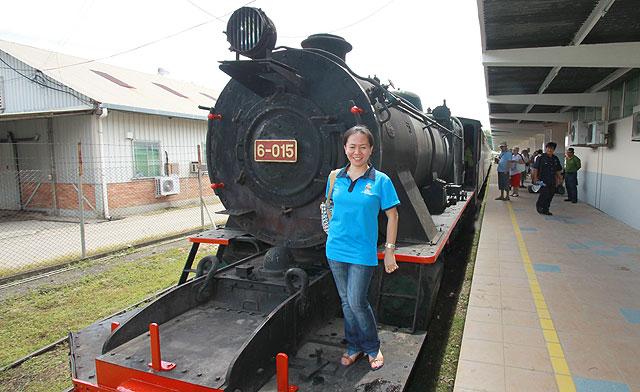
(273, 137)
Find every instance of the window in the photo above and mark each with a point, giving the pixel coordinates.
(591, 114)
(615, 102)
(146, 159)
(630, 95)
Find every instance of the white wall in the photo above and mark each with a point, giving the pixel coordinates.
(609, 179)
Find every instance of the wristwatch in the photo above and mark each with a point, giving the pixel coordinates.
(389, 246)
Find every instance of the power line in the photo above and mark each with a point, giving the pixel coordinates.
(207, 12)
(354, 23)
(35, 80)
(148, 43)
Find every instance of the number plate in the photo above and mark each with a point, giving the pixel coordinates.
(276, 151)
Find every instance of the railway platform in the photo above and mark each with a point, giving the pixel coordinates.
(555, 300)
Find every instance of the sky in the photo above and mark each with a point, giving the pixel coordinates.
(431, 48)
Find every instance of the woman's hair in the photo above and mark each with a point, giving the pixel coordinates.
(358, 129)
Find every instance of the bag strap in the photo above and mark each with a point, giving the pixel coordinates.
(332, 180)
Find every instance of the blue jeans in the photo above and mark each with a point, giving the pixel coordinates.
(571, 181)
(352, 281)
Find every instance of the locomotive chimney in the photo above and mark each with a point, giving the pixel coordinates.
(328, 42)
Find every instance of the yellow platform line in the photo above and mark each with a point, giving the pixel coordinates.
(558, 360)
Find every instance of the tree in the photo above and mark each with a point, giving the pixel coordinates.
(487, 132)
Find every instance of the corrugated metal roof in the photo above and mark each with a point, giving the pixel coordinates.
(526, 23)
(515, 80)
(620, 25)
(518, 26)
(116, 86)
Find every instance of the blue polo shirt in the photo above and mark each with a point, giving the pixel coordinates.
(353, 231)
(505, 157)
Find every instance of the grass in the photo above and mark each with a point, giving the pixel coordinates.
(449, 364)
(437, 364)
(70, 259)
(47, 372)
(46, 314)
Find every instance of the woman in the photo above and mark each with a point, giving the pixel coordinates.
(359, 192)
(515, 171)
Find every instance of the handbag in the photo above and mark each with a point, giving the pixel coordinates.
(326, 207)
(521, 166)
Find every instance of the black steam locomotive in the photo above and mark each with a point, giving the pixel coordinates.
(273, 137)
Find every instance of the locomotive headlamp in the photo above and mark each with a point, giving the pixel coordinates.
(251, 33)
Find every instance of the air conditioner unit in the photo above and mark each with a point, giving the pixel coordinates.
(578, 133)
(635, 127)
(596, 132)
(167, 186)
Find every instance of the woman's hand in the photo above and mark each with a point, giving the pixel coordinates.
(390, 264)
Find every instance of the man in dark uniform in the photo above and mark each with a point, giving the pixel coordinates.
(547, 169)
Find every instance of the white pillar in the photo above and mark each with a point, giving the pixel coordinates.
(540, 141)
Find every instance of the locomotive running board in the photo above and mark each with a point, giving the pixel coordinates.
(427, 253)
(400, 350)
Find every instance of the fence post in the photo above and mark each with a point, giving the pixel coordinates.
(80, 201)
(200, 187)
(52, 167)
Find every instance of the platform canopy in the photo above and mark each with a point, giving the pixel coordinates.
(544, 58)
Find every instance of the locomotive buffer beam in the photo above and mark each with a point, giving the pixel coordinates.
(261, 76)
(417, 225)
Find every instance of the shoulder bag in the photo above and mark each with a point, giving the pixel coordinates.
(326, 207)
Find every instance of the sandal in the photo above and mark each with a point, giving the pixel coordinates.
(377, 362)
(500, 198)
(348, 360)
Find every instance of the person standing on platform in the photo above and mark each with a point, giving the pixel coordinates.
(547, 169)
(515, 171)
(504, 163)
(525, 158)
(571, 166)
(532, 162)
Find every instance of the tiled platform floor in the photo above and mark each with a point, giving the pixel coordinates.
(558, 310)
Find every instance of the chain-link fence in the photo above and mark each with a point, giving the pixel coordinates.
(130, 193)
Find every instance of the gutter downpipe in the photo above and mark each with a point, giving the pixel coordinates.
(103, 181)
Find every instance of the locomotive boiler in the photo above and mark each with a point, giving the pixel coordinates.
(278, 128)
(273, 137)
